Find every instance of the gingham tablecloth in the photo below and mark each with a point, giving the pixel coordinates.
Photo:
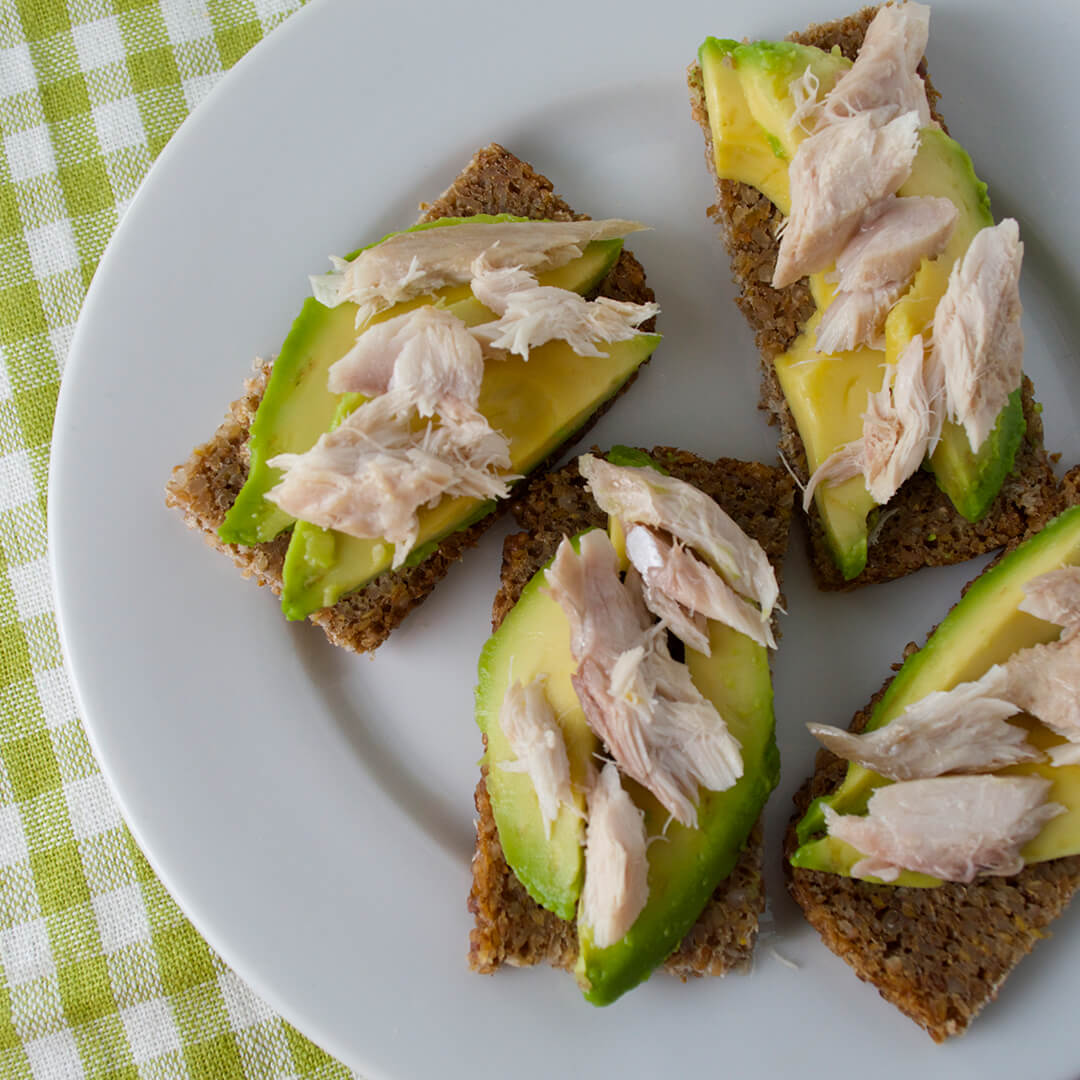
(100, 973)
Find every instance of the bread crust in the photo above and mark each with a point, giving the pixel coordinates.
(919, 527)
(205, 486)
(510, 927)
(939, 955)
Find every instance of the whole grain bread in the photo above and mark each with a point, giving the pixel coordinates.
(919, 527)
(939, 955)
(510, 927)
(205, 486)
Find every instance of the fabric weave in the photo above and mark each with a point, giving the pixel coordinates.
(100, 974)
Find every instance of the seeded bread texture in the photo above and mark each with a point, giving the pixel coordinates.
(511, 928)
(939, 955)
(205, 486)
(919, 527)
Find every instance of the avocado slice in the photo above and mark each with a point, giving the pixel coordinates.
(827, 397)
(746, 92)
(971, 480)
(297, 408)
(534, 639)
(686, 866)
(538, 404)
(983, 629)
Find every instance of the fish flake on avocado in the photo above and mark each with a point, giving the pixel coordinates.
(534, 640)
(538, 404)
(985, 627)
(749, 106)
(684, 864)
(297, 407)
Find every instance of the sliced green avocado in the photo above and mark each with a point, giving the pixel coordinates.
(688, 864)
(538, 404)
(971, 480)
(983, 629)
(746, 92)
(297, 408)
(534, 639)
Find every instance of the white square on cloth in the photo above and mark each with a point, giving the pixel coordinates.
(91, 807)
(29, 153)
(56, 697)
(121, 917)
(13, 847)
(187, 22)
(16, 480)
(54, 1055)
(26, 952)
(150, 1029)
(98, 43)
(17, 71)
(119, 124)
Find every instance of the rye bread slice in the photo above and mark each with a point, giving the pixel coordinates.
(511, 928)
(205, 486)
(939, 955)
(919, 527)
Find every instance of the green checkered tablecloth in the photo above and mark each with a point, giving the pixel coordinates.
(100, 973)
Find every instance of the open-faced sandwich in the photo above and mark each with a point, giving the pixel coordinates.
(884, 298)
(625, 702)
(427, 375)
(940, 835)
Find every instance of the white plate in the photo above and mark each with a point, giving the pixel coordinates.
(312, 811)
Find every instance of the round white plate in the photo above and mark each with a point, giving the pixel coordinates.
(312, 810)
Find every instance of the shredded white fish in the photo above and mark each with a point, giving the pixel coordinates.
(855, 318)
(978, 339)
(962, 730)
(658, 726)
(955, 828)
(369, 476)
(837, 175)
(530, 314)
(412, 264)
(679, 584)
(644, 496)
(606, 617)
(877, 265)
(884, 75)
(804, 96)
(1044, 680)
(616, 866)
(1055, 597)
(530, 726)
(493, 285)
(840, 466)
(690, 627)
(783, 959)
(640, 701)
(1066, 753)
(898, 427)
(865, 135)
(893, 239)
(428, 351)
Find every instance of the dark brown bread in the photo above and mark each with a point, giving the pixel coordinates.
(939, 955)
(206, 485)
(511, 928)
(920, 527)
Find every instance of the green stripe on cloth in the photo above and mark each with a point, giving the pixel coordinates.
(101, 975)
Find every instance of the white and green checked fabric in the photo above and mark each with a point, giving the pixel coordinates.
(100, 974)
